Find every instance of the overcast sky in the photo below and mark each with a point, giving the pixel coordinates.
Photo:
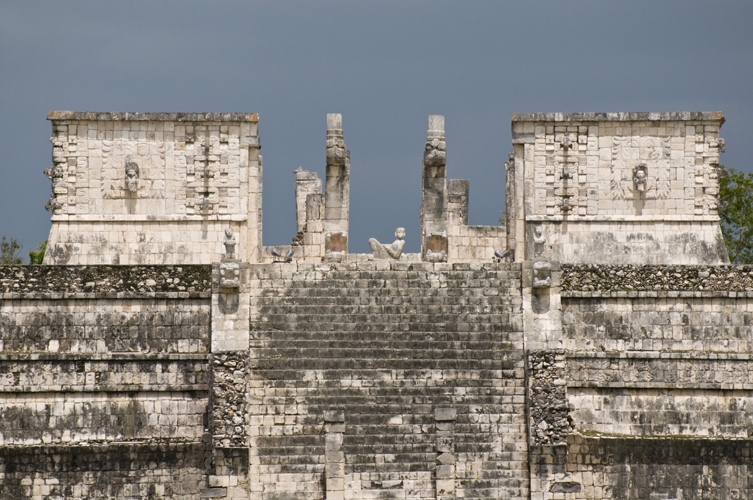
(384, 65)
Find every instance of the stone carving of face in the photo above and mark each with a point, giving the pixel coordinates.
(640, 177)
(435, 153)
(400, 233)
(132, 176)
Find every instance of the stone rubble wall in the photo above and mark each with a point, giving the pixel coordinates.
(399, 350)
(626, 278)
(229, 397)
(64, 281)
(549, 422)
(104, 381)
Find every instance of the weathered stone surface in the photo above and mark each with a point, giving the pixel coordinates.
(617, 117)
(607, 278)
(104, 279)
(229, 397)
(594, 366)
(550, 421)
(159, 470)
(391, 344)
(153, 188)
(152, 117)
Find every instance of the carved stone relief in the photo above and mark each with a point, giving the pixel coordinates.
(538, 240)
(436, 247)
(640, 167)
(132, 175)
(542, 275)
(336, 246)
(336, 151)
(229, 243)
(435, 154)
(230, 275)
(133, 169)
(56, 174)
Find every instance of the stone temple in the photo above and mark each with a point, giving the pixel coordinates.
(596, 346)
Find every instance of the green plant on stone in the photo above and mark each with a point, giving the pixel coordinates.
(736, 191)
(9, 252)
(37, 256)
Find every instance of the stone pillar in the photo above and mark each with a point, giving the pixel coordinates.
(308, 243)
(228, 392)
(434, 199)
(306, 183)
(511, 197)
(334, 457)
(337, 197)
(457, 202)
(445, 448)
(548, 425)
(250, 157)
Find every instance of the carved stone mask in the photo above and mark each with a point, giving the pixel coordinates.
(640, 176)
(132, 176)
(436, 153)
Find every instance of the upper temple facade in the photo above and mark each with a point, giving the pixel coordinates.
(160, 188)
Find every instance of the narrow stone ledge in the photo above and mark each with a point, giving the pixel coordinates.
(102, 281)
(659, 385)
(585, 281)
(131, 388)
(152, 117)
(618, 117)
(658, 355)
(656, 295)
(123, 356)
(106, 295)
(219, 492)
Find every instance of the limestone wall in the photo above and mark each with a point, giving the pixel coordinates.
(153, 188)
(104, 381)
(617, 187)
(378, 379)
(657, 371)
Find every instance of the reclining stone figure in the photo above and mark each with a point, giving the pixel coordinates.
(393, 251)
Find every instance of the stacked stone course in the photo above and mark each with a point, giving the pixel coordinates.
(386, 344)
(103, 381)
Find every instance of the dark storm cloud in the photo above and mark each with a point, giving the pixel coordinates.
(384, 65)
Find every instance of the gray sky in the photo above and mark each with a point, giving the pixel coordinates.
(384, 65)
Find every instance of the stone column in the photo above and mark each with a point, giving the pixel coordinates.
(445, 481)
(434, 199)
(228, 392)
(308, 243)
(306, 183)
(549, 425)
(457, 202)
(334, 457)
(250, 158)
(337, 196)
